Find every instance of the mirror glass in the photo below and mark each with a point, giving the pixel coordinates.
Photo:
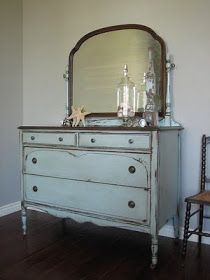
(97, 63)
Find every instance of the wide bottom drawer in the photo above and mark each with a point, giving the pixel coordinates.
(116, 201)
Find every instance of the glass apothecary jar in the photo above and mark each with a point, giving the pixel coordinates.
(126, 96)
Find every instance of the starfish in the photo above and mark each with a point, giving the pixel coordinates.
(78, 114)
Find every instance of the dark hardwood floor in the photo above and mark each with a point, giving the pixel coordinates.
(57, 251)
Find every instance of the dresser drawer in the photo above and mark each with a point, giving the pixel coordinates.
(116, 141)
(122, 202)
(111, 168)
(49, 138)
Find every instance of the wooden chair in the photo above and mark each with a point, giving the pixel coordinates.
(201, 199)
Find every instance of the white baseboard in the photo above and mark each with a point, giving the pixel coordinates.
(167, 230)
(10, 208)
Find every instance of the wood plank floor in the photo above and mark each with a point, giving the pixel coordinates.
(57, 251)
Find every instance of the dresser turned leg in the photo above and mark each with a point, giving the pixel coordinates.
(24, 218)
(154, 249)
(153, 266)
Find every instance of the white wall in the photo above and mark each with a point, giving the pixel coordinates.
(51, 28)
(10, 98)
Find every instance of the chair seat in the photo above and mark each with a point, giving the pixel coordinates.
(200, 198)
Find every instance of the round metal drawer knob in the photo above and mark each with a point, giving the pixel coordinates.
(32, 137)
(34, 160)
(35, 189)
(131, 204)
(132, 169)
(60, 139)
(130, 141)
(93, 140)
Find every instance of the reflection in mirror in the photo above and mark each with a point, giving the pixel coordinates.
(98, 63)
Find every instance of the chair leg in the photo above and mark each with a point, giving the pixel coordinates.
(200, 223)
(186, 228)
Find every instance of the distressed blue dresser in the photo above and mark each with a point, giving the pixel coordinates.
(121, 177)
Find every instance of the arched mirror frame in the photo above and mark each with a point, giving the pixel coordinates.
(115, 28)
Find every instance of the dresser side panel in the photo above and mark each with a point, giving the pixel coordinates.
(168, 175)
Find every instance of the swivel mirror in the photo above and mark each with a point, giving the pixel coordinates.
(96, 65)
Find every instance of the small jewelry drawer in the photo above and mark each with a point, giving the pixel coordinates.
(49, 138)
(115, 140)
